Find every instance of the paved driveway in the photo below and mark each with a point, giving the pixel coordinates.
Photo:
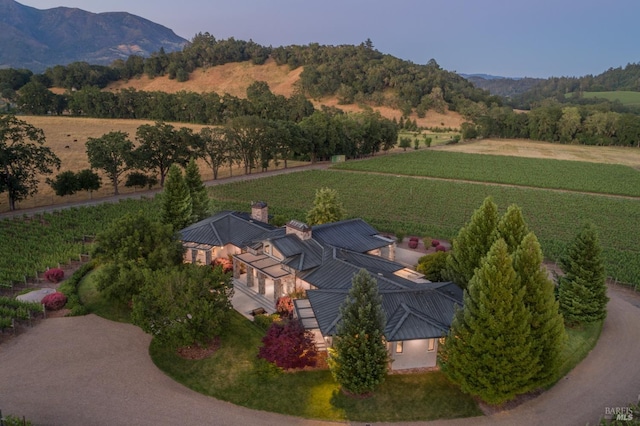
(91, 371)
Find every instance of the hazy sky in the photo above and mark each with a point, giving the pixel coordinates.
(513, 38)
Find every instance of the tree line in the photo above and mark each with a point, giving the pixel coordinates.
(614, 79)
(253, 142)
(553, 122)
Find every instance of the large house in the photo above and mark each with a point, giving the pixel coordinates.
(316, 266)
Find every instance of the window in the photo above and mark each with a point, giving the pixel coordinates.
(207, 257)
(399, 347)
(431, 345)
(194, 255)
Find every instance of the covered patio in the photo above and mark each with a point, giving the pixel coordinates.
(267, 272)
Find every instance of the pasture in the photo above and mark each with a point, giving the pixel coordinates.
(67, 137)
(626, 97)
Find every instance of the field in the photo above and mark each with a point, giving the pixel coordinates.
(67, 137)
(627, 98)
(439, 208)
(537, 149)
(539, 173)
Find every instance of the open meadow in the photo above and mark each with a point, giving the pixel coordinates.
(67, 137)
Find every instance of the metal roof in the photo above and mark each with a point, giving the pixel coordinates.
(354, 234)
(300, 254)
(422, 313)
(226, 227)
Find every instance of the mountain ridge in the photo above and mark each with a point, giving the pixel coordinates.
(37, 39)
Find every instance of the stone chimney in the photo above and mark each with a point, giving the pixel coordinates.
(260, 212)
(302, 230)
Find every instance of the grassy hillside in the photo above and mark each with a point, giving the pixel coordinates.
(234, 78)
(627, 98)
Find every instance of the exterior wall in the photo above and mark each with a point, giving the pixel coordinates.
(415, 354)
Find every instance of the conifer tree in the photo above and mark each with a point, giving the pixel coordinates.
(359, 358)
(489, 351)
(512, 228)
(176, 200)
(326, 207)
(472, 243)
(547, 326)
(582, 291)
(198, 192)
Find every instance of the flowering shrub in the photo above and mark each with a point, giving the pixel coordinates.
(54, 275)
(440, 247)
(227, 265)
(284, 307)
(288, 345)
(413, 244)
(435, 243)
(54, 301)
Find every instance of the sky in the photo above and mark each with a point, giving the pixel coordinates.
(510, 38)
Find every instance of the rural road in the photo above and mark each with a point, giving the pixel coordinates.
(91, 371)
(153, 192)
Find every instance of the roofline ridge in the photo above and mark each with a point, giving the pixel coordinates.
(401, 321)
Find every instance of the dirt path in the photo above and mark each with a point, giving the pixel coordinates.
(91, 371)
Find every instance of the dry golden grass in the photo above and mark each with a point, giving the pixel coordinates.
(234, 78)
(536, 149)
(73, 132)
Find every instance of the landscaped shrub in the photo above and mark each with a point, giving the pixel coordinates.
(413, 243)
(226, 263)
(70, 289)
(435, 243)
(264, 321)
(427, 242)
(54, 301)
(288, 345)
(284, 307)
(54, 275)
(440, 247)
(399, 236)
(433, 266)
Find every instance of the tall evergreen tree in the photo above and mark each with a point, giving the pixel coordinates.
(472, 243)
(512, 228)
(359, 358)
(547, 326)
(326, 207)
(197, 190)
(582, 291)
(176, 200)
(489, 350)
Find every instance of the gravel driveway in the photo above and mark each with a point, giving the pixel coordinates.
(91, 371)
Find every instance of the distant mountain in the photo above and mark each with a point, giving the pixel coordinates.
(502, 86)
(37, 39)
(486, 76)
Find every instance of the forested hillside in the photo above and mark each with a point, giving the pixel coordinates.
(570, 89)
(353, 74)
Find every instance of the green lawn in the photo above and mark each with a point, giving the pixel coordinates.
(96, 304)
(234, 374)
(580, 341)
(627, 98)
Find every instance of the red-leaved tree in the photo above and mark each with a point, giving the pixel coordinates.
(288, 345)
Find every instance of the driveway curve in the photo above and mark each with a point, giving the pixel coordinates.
(91, 371)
